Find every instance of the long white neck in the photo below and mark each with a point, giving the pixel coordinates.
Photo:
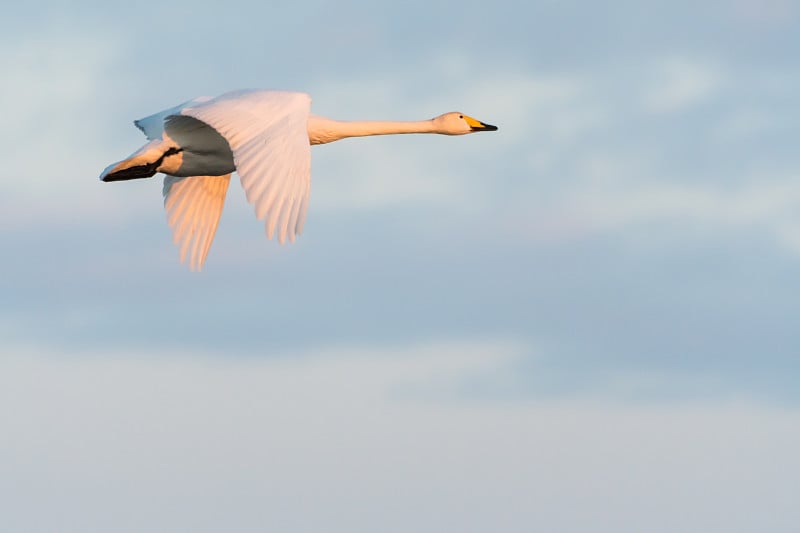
(323, 130)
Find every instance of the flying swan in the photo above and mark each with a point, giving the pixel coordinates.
(266, 137)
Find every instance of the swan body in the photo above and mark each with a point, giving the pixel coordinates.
(265, 137)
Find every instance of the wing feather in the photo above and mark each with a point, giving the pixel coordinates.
(264, 199)
(286, 215)
(292, 223)
(194, 206)
(301, 216)
(153, 126)
(268, 135)
(272, 219)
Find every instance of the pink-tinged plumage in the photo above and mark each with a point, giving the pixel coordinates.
(266, 137)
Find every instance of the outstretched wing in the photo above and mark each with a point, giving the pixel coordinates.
(153, 126)
(268, 134)
(194, 206)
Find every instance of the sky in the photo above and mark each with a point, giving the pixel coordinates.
(585, 321)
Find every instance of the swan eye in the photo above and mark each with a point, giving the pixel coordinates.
(460, 116)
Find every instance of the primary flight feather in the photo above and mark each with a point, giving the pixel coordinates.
(266, 137)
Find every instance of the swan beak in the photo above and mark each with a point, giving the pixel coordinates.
(477, 125)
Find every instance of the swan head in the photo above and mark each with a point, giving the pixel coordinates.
(456, 123)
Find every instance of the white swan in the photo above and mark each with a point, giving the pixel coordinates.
(265, 136)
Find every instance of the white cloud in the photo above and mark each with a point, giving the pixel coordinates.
(744, 124)
(765, 14)
(365, 440)
(680, 83)
(373, 174)
(613, 202)
(55, 107)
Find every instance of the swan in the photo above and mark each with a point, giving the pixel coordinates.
(263, 135)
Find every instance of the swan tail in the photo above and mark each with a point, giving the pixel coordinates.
(153, 157)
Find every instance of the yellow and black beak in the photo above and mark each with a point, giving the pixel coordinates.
(477, 125)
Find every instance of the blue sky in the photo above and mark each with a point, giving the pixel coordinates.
(585, 321)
